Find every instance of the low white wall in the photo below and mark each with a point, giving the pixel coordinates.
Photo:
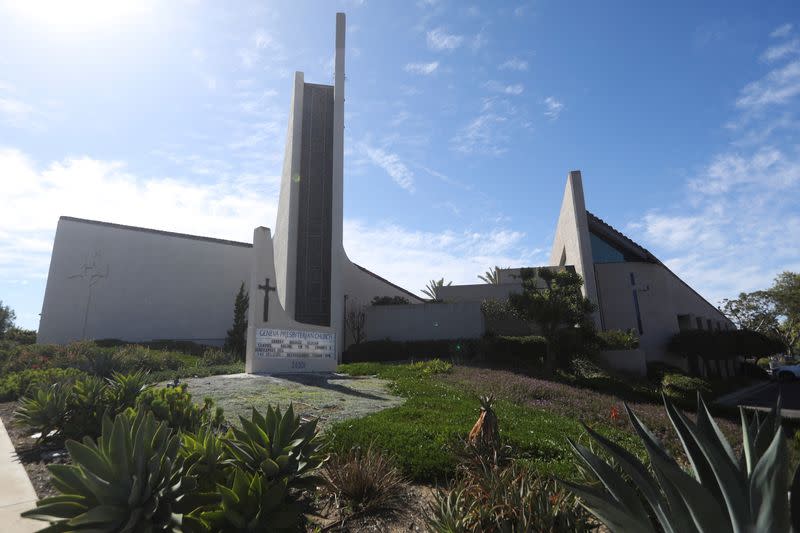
(430, 321)
(631, 361)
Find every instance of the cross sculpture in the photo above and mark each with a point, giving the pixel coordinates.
(266, 288)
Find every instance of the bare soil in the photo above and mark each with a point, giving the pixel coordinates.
(34, 458)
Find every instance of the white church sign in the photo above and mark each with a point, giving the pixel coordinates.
(282, 343)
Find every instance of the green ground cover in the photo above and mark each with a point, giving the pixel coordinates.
(424, 433)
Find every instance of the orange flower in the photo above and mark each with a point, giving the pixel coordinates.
(614, 413)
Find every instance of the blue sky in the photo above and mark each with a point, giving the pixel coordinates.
(462, 121)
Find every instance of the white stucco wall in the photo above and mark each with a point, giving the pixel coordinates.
(662, 297)
(463, 320)
(154, 285)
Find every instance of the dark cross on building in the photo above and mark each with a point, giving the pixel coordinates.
(266, 288)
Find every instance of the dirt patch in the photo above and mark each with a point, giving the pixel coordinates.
(409, 516)
(34, 458)
(329, 397)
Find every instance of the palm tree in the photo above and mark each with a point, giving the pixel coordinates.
(432, 288)
(491, 276)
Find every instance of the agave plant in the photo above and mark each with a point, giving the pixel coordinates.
(44, 411)
(251, 504)
(87, 403)
(721, 493)
(205, 458)
(130, 479)
(277, 446)
(124, 389)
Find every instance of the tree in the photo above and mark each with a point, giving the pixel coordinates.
(753, 311)
(785, 293)
(553, 300)
(7, 317)
(354, 320)
(774, 311)
(236, 341)
(432, 288)
(491, 276)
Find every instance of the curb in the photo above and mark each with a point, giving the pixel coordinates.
(732, 397)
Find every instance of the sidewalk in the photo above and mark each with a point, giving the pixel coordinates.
(16, 492)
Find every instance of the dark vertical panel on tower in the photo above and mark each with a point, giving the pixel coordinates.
(313, 297)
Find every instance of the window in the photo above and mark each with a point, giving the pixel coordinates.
(603, 252)
(684, 322)
(699, 323)
(710, 327)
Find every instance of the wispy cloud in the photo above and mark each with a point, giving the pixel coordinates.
(412, 257)
(774, 53)
(777, 87)
(514, 89)
(482, 136)
(254, 51)
(422, 68)
(514, 63)
(392, 164)
(226, 208)
(781, 31)
(553, 108)
(738, 225)
(438, 39)
(479, 41)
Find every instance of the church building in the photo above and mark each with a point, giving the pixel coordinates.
(135, 284)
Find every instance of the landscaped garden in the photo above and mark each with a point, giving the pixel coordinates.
(396, 435)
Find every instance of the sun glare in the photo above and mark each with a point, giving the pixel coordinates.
(77, 15)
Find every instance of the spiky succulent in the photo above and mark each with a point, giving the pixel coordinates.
(277, 446)
(44, 410)
(720, 493)
(205, 458)
(251, 503)
(130, 479)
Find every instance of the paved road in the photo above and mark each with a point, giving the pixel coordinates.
(790, 397)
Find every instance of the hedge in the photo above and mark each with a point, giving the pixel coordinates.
(723, 344)
(491, 349)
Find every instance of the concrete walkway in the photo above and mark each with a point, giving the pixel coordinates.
(16, 492)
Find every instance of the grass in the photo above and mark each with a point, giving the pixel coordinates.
(425, 432)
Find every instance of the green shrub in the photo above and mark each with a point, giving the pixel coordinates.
(683, 387)
(20, 335)
(365, 480)
(512, 498)
(723, 344)
(494, 350)
(15, 385)
(389, 300)
(100, 362)
(513, 351)
(137, 357)
(44, 411)
(278, 446)
(436, 366)
(616, 339)
(174, 406)
(217, 356)
(130, 479)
